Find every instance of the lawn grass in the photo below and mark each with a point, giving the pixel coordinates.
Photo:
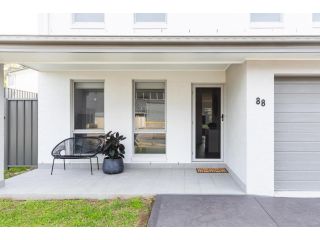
(14, 171)
(75, 213)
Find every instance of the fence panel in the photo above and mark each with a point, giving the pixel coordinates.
(21, 132)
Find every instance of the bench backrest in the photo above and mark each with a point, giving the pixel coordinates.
(78, 146)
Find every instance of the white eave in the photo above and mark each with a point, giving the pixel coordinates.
(219, 44)
(107, 40)
(100, 53)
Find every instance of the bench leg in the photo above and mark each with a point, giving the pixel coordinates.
(64, 164)
(52, 165)
(91, 165)
(98, 163)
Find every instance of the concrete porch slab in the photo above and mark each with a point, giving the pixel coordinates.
(79, 183)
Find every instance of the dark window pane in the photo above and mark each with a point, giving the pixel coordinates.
(88, 106)
(150, 143)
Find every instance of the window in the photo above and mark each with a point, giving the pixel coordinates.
(316, 17)
(150, 17)
(265, 17)
(88, 105)
(88, 20)
(150, 20)
(88, 17)
(149, 118)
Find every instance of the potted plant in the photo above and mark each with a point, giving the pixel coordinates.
(114, 153)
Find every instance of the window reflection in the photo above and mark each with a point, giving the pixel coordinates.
(88, 105)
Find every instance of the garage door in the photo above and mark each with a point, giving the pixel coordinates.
(297, 134)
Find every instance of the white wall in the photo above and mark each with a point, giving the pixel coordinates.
(236, 121)
(54, 108)
(184, 24)
(1, 125)
(26, 80)
(260, 120)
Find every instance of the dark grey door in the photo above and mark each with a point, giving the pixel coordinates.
(297, 134)
(208, 123)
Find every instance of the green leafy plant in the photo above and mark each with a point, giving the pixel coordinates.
(112, 147)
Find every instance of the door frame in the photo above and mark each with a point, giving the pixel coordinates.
(193, 120)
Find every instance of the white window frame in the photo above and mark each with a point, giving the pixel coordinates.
(150, 25)
(149, 157)
(72, 117)
(267, 24)
(87, 25)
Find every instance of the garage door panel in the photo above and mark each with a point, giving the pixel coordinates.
(297, 134)
(292, 157)
(297, 98)
(293, 88)
(297, 185)
(297, 127)
(297, 117)
(297, 176)
(296, 137)
(297, 147)
(298, 165)
(297, 108)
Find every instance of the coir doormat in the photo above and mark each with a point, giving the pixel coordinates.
(212, 170)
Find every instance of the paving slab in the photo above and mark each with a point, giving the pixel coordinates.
(79, 183)
(292, 212)
(208, 211)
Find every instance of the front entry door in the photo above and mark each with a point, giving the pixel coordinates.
(207, 124)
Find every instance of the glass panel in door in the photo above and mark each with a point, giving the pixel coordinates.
(208, 123)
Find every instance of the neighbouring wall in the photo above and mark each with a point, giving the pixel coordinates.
(1, 126)
(55, 108)
(236, 121)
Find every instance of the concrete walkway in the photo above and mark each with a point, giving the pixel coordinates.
(79, 183)
(234, 211)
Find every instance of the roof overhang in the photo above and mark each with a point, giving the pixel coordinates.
(138, 52)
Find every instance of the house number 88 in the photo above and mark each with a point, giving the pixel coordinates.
(261, 102)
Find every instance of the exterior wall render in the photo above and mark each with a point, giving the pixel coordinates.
(236, 121)
(55, 108)
(1, 125)
(260, 120)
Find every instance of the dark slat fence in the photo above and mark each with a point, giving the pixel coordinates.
(21, 128)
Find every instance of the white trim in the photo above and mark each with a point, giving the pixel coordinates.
(193, 129)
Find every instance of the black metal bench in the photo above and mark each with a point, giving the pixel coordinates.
(77, 148)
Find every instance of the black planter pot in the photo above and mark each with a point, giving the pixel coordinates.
(112, 166)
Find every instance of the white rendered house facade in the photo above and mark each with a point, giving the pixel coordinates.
(251, 104)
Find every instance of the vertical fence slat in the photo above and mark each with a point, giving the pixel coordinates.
(34, 132)
(12, 132)
(20, 133)
(28, 132)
